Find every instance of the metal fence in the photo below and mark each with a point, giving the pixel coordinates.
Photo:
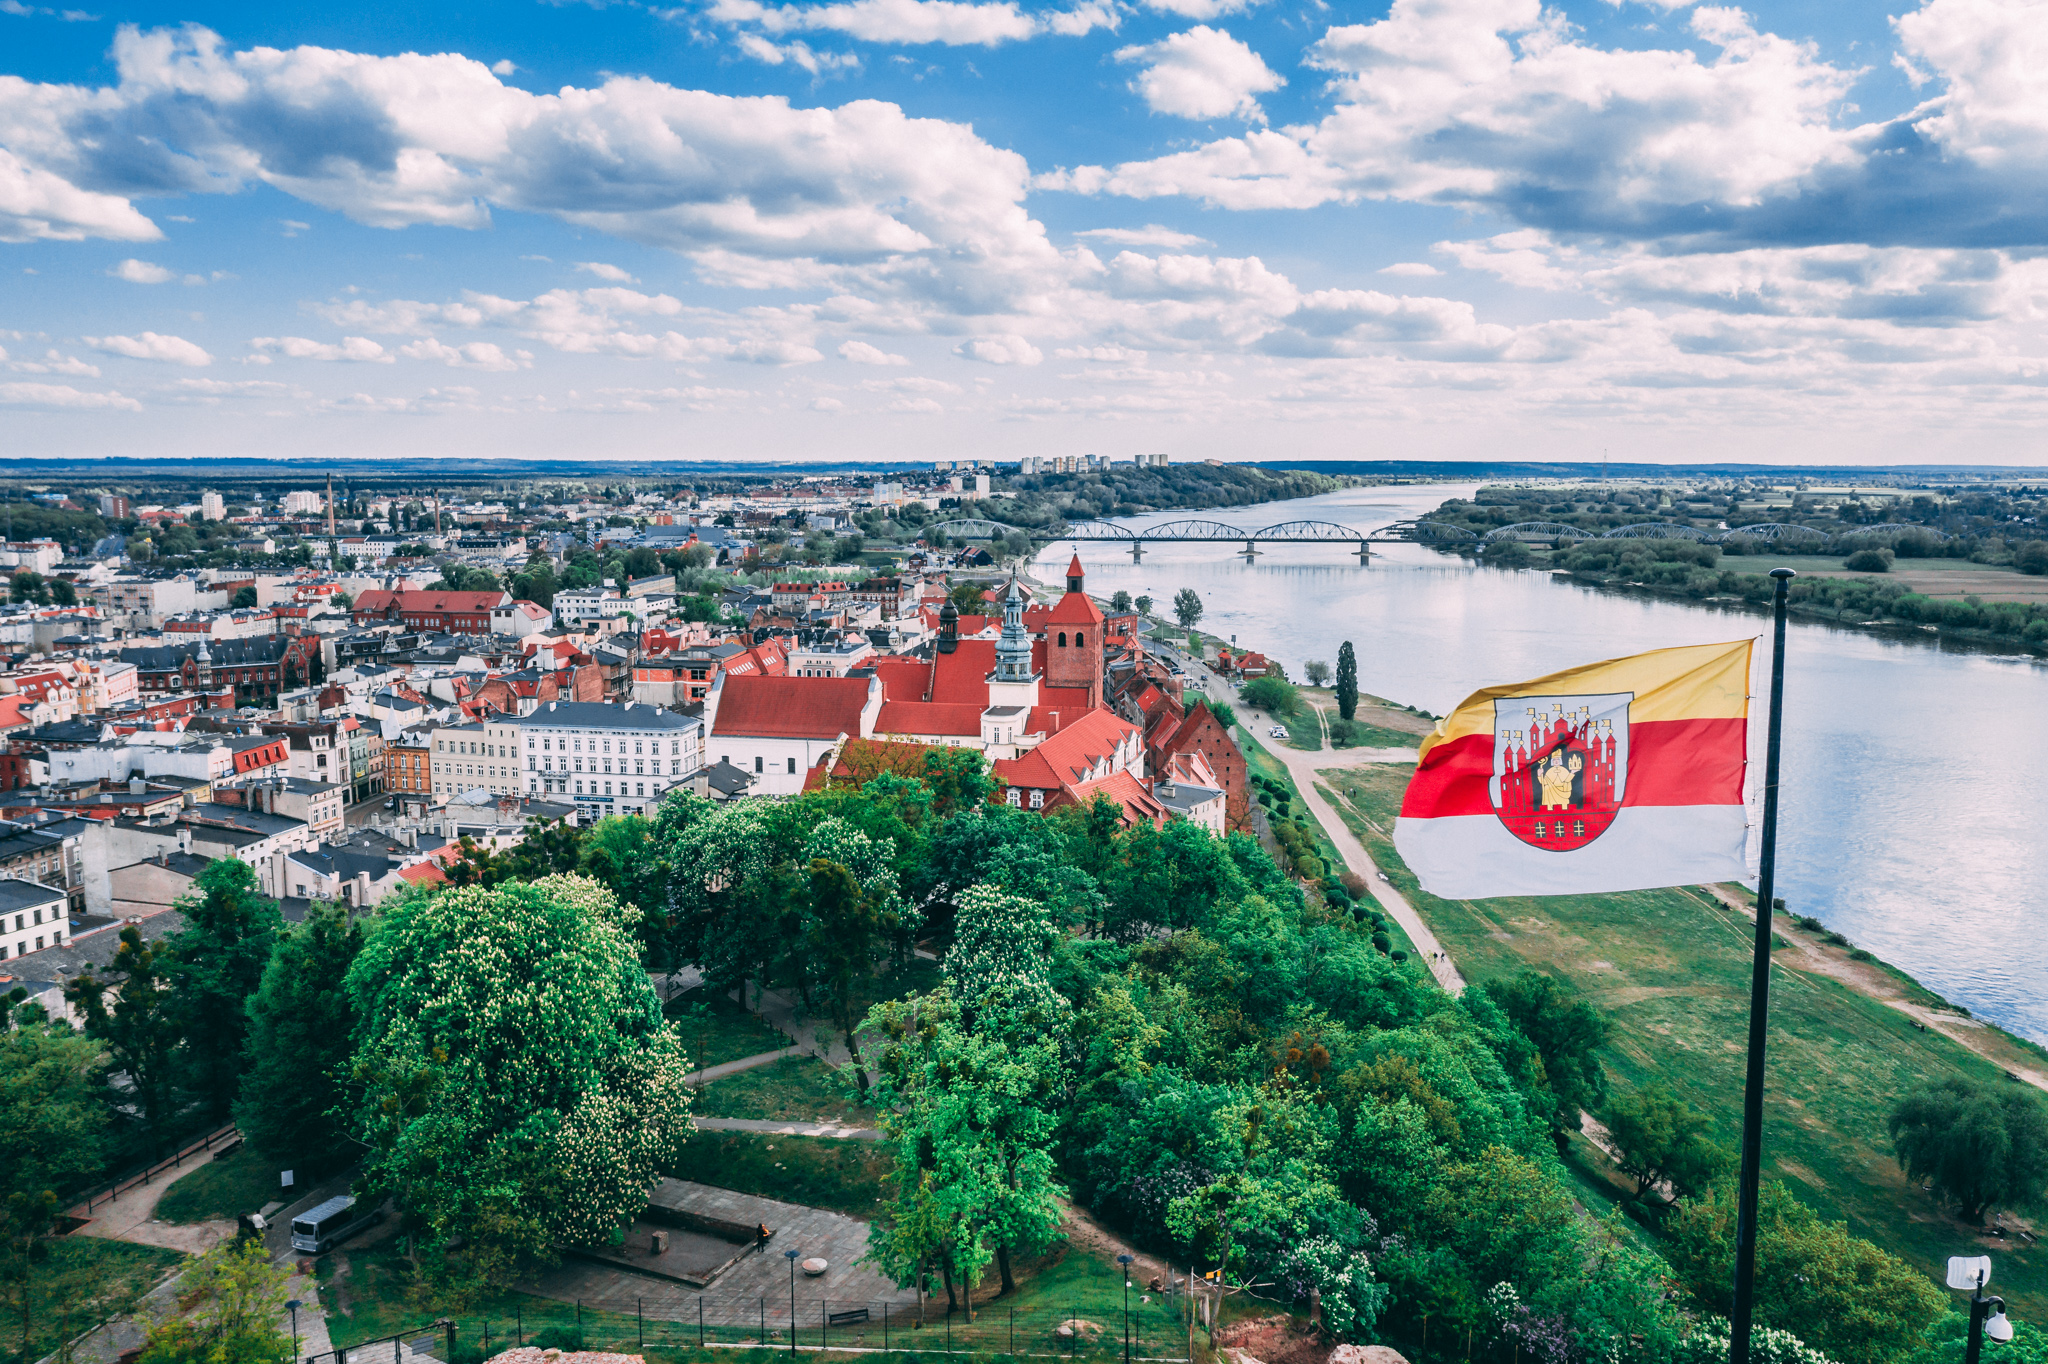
(222, 1141)
(1155, 1330)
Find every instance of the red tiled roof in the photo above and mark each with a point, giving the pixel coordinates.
(790, 707)
(1121, 787)
(923, 717)
(1070, 755)
(1075, 608)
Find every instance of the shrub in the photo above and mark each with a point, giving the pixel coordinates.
(1507, 554)
(565, 1338)
(2032, 558)
(1272, 693)
(1382, 941)
(1398, 955)
(1869, 561)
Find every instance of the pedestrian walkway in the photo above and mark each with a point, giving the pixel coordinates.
(791, 1129)
(724, 1068)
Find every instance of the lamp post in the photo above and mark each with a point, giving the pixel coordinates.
(1987, 1314)
(294, 1306)
(790, 1255)
(1125, 1261)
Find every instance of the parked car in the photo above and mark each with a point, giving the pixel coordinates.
(1278, 731)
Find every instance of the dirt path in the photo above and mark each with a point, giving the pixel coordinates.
(791, 1129)
(1868, 978)
(1084, 1231)
(132, 1217)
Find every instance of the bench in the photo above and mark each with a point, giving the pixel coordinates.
(847, 1318)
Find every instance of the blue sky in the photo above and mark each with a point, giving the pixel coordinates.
(1239, 229)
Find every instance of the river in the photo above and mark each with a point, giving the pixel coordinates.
(1904, 821)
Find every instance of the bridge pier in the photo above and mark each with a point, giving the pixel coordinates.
(1364, 552)
(1248, 552)
(1137, 552)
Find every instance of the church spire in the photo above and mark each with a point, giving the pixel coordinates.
(1013, 649)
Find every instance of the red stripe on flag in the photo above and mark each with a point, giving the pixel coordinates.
(1670, 762)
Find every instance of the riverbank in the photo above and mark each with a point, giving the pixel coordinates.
(1670, 970)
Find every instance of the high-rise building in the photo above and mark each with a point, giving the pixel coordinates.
(114, 507)
(212, 507)
(307, 503)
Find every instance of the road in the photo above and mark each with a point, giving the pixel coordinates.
(1303, 766)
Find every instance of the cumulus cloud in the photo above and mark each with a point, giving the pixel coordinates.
(475, 355)
(172, 350)
(949, 22)
(1201, 10)
(1496, 105)
(1000, 350)
(1413, 269)
(861, 353)
(603, 271)
(142, 272)
(797, 53)
(1202, 73)
(356, 349)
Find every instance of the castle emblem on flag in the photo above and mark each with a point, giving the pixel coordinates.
(1560, 765)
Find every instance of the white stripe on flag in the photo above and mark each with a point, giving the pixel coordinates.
(1471, 857)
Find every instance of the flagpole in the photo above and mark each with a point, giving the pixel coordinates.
(1759, 998)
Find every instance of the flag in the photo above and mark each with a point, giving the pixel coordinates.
(1616, 776)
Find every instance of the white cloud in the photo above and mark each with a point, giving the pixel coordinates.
(475, 355)
(173, 350)
(53, 362)
(949, 22)
(503, 67)
(63, 396)
(827, 405)
(1152, 234)
(1202, 73)
(1001, 350)
(603, 271)
(861, 353)
(1413, 269)
(1113, 354)
(918, 405)
(1202, 10)
(357, 349)
(142, 272)
(39, 205)
(796, 52)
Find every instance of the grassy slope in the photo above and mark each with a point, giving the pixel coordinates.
(729, 1033)
(1670, 968)
(82, 1281)
(795, 1089)
(243, 1182)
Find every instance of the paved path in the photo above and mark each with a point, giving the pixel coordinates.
(791, 1129)
(132, 1217)
(1303, 766)
(719, 1072)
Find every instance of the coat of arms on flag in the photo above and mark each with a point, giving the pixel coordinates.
(1613, 776)
(1560, 766)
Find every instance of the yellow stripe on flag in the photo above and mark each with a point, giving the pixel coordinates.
(1691, 682)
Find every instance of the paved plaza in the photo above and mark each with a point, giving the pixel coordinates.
(758, 1282)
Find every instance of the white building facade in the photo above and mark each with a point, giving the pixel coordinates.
(609, 760)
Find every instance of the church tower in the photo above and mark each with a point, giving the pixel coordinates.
(1014, 683)
(1073, 639)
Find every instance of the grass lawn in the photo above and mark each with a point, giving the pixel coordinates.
(796, 1088)
(225, 1189)
(823, 1172)
(80, 1281)
(1670, 969)
(716, 1029)
(1360, 734)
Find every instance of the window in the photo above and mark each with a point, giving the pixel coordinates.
(640, 788)
(757, 768)
(1063, 639)
(1016, 798)
(1038, 800)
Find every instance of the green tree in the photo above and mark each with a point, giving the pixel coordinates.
(1981, 1147)
(1568, 1033)
(233, 1312)
(1144, 605)
(53, 1109)
(1119, 600)
(213, 966)
(1271, 693)
(1837, 1292)
(1660, 1139)
(853, 913)
(998, 937)
(130, 1012)
(1317, 672)
(301, 1020)
(519, 1088)
(62, 593)
(1187, 607)
(1347, 681)
(245, 597)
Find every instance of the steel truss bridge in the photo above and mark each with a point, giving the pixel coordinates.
(1196, 530)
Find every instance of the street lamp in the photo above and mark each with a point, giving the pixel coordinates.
(790, 1255)
(1125, 1261)
(1987, 1315)
(294, 1305)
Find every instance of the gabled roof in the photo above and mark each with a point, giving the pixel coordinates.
(1075, 608)
(1072, 754)
(790, 707)
(1139, 805)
